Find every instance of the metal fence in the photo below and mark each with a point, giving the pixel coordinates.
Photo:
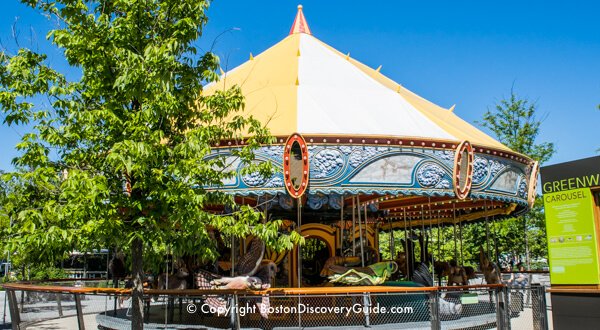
(67, 305)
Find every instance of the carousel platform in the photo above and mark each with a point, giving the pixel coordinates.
(487, 321)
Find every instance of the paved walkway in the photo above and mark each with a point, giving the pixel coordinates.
(66, 323)
(5, 321)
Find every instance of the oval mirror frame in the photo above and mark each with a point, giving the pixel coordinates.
(295, 165)
(533, 178)
(462, 175)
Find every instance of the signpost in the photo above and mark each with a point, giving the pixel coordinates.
(571, 237)
(572, 226)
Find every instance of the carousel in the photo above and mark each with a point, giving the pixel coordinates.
(357, 154)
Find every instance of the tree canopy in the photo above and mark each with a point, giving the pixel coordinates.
(120, 156)
(513, 121)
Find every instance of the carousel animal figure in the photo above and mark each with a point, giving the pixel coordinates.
(251, 273)
(409, 257)
(422, 275)
(470, 271)
(424, 244)
(456, 274)
(116, 267)
(401, 262)
(371, 255)
(491, 271)
(371, 275)
(261, 280)
(441, 269)
(448, 309)
(117, 270)
(176, 281)
(339, 261)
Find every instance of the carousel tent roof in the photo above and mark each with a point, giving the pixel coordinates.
(304, 85)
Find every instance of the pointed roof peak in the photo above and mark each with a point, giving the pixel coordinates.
(300, 25)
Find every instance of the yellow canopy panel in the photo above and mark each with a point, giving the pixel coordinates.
(304, 85)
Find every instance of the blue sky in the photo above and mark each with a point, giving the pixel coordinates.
(463, 53)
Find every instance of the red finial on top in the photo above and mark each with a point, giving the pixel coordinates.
(300, 25)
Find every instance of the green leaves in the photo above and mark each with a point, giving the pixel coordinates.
(513, 121)
(121, 152)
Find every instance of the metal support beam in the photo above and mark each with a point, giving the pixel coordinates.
(13, 307)
(80, 322)
(434, 310)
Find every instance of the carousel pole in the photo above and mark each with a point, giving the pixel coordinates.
(431, 233)
(353, 225)
(454, 236)
(366, 298)
(366, 225)
(406, 246)
(424, 242)
(392, 243)
(299, 214)
(487, 230)
(439, 252)
(343, 225)
(423, 256)
(360, 233)
(460, 232)
(495, 234)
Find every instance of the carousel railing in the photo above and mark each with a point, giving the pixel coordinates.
(69, 305)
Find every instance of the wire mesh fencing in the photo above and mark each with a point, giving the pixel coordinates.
(68, 306)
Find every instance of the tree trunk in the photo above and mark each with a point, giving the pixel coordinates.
(137, 293)
(527, 260)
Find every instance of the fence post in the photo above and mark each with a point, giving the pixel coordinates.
(234, 316)
(506, 294)
(500, 308)
(538, 307)
(13, 307)
(80, 322)
(434, 310)
(59, 303)
(367, 309)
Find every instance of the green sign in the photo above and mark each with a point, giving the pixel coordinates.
(571, 237)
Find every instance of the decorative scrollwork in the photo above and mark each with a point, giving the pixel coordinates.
(286, 202)
(447, 155)
(335, 201)
(317, 201)
(496, 166)
(359, 155)
(346, 149)
(274, 152)
(430, 175)
(274, 182)
(254, 179)
(522, 190)
(326, 163)
(480, 169)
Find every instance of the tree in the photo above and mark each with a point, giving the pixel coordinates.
(119, 157)
(513, 121)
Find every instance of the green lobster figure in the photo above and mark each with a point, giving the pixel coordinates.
(374, 274)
